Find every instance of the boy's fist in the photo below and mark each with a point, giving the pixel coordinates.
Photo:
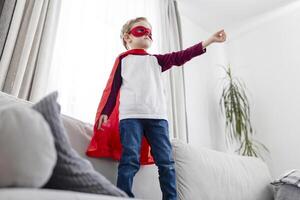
(103, 119)
(219, 36)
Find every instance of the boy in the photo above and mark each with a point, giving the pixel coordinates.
(135, 95)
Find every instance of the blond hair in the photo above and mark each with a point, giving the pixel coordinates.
(128, 25)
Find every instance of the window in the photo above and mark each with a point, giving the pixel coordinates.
(87, 43)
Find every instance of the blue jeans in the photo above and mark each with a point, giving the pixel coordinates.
(157, 134)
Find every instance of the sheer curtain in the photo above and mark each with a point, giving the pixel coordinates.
(171, 40)
(27, 31)
(87, 43)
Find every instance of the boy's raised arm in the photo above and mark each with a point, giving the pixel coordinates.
(166, 61)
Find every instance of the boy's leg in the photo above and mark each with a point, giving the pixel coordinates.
(131, 132)
(157, 134)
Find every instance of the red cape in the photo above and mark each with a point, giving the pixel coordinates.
(106, 143)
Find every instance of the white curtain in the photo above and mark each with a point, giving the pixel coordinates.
(88, 42)
(27, 49)
(171, 40)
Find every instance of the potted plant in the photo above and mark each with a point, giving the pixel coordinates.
(235, 107)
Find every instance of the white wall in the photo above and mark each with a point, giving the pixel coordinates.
(201, 80)
(267, 58)
(265, 55)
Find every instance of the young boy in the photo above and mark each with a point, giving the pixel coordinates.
(135, 91)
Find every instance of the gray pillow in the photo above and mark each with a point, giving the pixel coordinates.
(287, 186)
(291, 177)
(71, 172)
(27, 151)
(288, 192)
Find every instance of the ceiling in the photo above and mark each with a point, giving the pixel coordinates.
(228, 14)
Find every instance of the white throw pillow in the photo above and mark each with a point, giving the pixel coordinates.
(27, 151)
(205, 174)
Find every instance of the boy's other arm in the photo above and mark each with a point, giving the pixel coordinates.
(111, 101)
(166, 61)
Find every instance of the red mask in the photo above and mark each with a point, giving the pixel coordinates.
(140, 31)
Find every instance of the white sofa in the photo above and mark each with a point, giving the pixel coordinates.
(202, 174)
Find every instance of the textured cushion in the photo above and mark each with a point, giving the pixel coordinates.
(291, 177)
(288, 192)
(27, 151)
(71, 172)
(287, 186)
(205, 174)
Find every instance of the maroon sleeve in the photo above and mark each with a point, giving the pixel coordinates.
(166, 61)
(116, 84)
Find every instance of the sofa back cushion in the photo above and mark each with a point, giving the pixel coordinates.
(206, 174)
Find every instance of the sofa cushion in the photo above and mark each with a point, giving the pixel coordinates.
(27, 152)
(287, 186)
(206, 174)
(71, 172)
(288, 192)
(291, 177)
(49, 194)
